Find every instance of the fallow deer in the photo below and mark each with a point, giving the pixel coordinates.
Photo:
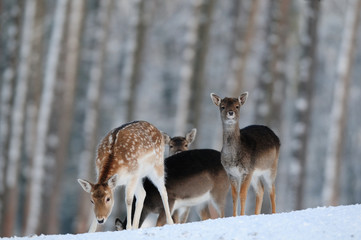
(179, 143)
(249, 155)
(176, 145)
(193, 177)
(125, 156)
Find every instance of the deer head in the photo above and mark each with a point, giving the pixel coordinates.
(229, 107)
(179, 144)
(102, 196)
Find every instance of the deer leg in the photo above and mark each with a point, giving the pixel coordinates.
(185, 215)
(140, 194)
(205, 214)
(273, 198)
(93, 225)
(129, 195)
(158, 179)
(175, 217)
(259, 196)
(235, 191)
(244, 189)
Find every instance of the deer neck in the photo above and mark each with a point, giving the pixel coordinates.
(231, 133)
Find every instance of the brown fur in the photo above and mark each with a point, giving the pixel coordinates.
(246, 151)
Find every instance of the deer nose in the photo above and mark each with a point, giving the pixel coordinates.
(100, 221)
(230, 113)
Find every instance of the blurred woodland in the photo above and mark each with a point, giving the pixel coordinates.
(70, 71)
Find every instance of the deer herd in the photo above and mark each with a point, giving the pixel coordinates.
(133, 155)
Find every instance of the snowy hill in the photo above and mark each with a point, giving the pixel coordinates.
(343, 222)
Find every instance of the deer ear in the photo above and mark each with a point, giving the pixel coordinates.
(119, 225)
(87, 186)
(242, 99)
(166, 138)
(191, 135)
(112, 182)
(216, 99)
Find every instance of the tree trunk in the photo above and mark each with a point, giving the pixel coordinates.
(91, 116)
(37, 171)
(136, 59)
(16, 135)
(71, 63)
(307, 66)
(9, 41)
(241, 46)
(193, 69)
(331, 186)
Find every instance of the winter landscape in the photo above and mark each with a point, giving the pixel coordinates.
(322, 223)
(72, 70)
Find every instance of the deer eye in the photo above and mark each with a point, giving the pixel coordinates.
(170, 146)
(108, 199)
(92, 201)
(237, 106)
(186, 145)
(222, 107)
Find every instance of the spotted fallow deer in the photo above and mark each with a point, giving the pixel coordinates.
(249, 155)
(125, 156)
(194, 177)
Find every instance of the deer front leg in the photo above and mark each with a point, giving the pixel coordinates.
(244, 189)
(273, 198)
(235, 192)
(93, 225)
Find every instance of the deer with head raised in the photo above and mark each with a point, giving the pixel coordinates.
(179, 143)
(194, 178)
(125, 156)
(249, 155)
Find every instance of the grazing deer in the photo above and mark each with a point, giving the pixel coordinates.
(249, 155)
(194, 177)
(125, 156)
(179, 143)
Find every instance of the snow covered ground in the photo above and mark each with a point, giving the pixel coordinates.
(343, 222)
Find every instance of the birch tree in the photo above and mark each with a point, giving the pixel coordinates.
(71, 64)
(241, 45)
(92, 109)
(16, 134)
(192, 71)
(9, 45)
(331, 186)
(37, 171)
(303, 103)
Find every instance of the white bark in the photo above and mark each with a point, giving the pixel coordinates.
(339, 107)
(187, 71)
(37, 171)
(20, 95)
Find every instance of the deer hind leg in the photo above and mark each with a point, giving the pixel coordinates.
(140, 194)
(184, 216)
(235, 192)
(205, 214)
(273, 198)
(244, 189)
(158, 180)
(259, 189)
(129, 196)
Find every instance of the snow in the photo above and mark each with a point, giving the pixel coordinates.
(342, 222)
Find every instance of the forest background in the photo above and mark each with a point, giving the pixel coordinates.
(72, 70)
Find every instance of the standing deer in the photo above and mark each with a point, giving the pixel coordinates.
(125, 156)
(176, 145)
(194, 177)
(249, 155)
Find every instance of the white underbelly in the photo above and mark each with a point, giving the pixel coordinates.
(189, 202)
